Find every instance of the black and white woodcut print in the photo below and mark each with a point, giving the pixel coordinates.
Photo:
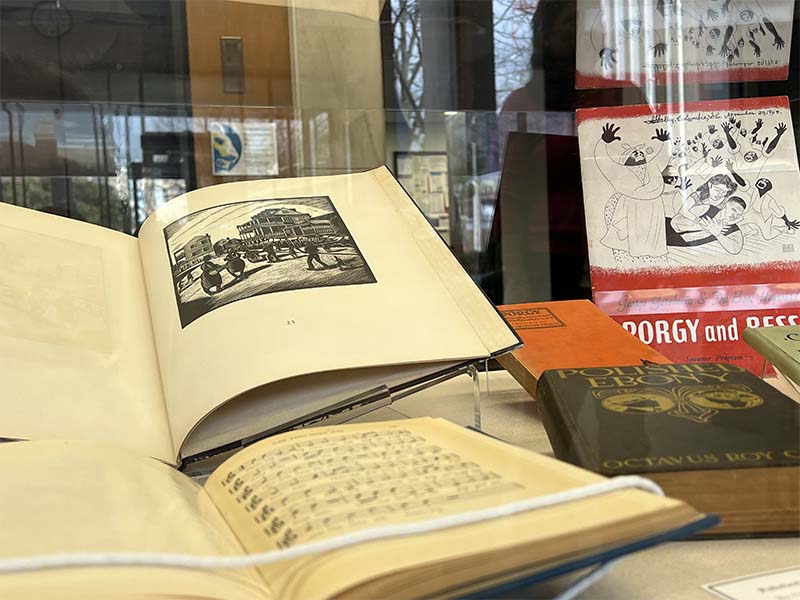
(235, 251)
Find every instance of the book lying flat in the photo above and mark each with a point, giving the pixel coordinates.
(240, 309)
(779, 345)
(311, 485)
(712, 434)
(569, 333)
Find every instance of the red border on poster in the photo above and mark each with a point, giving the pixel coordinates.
(708, 345)
(585, 81)
(643, 110)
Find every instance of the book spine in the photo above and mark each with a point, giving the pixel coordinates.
(520, 372)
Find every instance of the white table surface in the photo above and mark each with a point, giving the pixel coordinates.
(674, 570)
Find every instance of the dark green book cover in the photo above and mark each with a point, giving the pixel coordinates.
(655, 418)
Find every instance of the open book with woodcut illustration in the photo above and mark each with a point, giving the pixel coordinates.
(241, 310)
(323, 486)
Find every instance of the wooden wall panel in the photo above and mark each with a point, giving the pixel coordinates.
(264, 30)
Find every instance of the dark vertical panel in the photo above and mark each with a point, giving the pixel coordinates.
(387, 57)
(475, 54)
(118, 37)
(439, 55)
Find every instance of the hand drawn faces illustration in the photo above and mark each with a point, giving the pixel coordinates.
(733, 210)
(671, 175)
(747, 15)
(716, 190)
(750, 156)
(763, 185)
(631, 28)
(721, 30)
(635, 156)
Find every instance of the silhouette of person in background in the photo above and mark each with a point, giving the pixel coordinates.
(551, 86)
(552, 53)
(546, 104)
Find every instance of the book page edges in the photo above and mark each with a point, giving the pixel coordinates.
(519, 371)
(539, 540)
(539, 474)
(755, 500)
(500, 584)
(489, 325)
(244, 416)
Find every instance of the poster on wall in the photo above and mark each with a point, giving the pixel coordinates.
(641, 42)
(424, 177)
(247, 147)
(693, 222)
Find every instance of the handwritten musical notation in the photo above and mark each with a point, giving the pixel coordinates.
(320, 487)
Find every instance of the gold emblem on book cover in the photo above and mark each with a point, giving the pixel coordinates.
(696, 403)
(638, 402)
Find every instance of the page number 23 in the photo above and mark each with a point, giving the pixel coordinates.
(290, 322)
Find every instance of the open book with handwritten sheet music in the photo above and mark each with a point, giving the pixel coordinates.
(241, 310)
(311, 485)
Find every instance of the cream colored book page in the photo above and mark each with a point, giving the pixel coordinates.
(78, 357)
(377, 301)
(67, 497)
(493, 331)
(126, 584)
(314, 484)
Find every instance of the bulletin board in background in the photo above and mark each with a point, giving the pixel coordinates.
(424, 176)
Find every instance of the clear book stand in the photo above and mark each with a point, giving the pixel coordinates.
(352, 408)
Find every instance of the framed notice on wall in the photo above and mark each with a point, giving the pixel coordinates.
(244, 147)
(424, 176)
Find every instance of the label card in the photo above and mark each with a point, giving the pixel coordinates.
(783, 584)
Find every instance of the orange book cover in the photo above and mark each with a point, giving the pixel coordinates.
(568, 334)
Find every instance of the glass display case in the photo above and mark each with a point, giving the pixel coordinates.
(641, 155)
